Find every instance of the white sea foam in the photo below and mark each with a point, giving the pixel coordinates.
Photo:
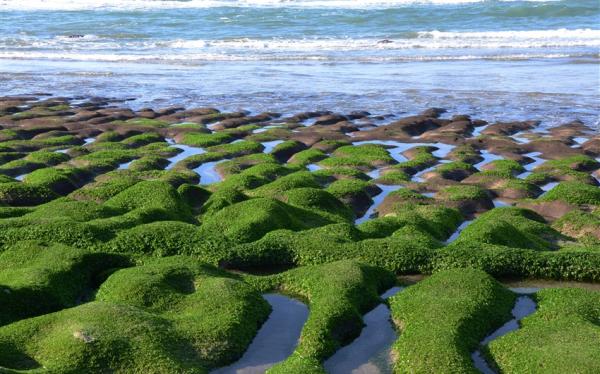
(433, 40)
(187, 58)
(34, 5)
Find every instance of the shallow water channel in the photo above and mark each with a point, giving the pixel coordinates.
(275, 340)
(524, 306)
(370, 352)
(187, 152)
(377, 200)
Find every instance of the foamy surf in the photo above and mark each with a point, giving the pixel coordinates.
(202, 57)
(421, 40)
(304, 53)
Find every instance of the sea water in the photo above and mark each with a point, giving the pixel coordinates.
(489, 58)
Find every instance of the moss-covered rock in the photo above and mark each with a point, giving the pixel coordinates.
(559, 337)
(37, 279)
(174, 315)
(574, 193)
(443, 318)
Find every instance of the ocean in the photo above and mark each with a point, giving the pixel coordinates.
(498, 60)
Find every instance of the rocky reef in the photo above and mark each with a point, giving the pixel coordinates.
(142, 240)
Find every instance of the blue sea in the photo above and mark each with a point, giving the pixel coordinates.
(492, 59)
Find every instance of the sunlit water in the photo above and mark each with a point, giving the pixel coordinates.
(493, 59)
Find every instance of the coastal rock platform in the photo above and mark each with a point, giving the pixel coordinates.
(143, 240)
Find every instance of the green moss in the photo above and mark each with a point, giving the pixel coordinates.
(21, 194)
(308, 156)
(285, 183)
(421, 159)
(249, 220)
(222, 198)
(439, 222)
(503, 168)
(443, 318)
(454, 166)
(60, 181)
(560, 337)
(328, 175)
(173, 315)
(513, 227)
(188, 125)
(142, 139)
(502, 261)
(237, 149)
(579, 224)
(366, 156)
(103, 190)
(518, 184)
(148, 163)
(109, 136)
(37, 279)
(239, 164)
(348, 187)
(393, 177)
(158, 196)
(404, 199)
(47, 158)
(465, 153)
(288, 146)
(206, 140)
(79, 211)
(578, 162)
(146, 122)
(164, 238)
(317, 199)
(574, 193)
(574, 168)
(462, 192)
(194, 196)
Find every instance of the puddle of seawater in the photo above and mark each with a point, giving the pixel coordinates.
(313, 167)
(187, 152)
(265, 128)
(537, 161)
(547, 187)
(487, 158)
(477, 130)
(418, 177)
(456, 233)
(374, 174)
(370, 353)
(499, 203)
(377, 200)
(579, 140)
(87, 141)
(208, 173)
(125, 165)
(524, 306)
(269, 146)
(275, 340)
(520, 139)
(20, 177)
